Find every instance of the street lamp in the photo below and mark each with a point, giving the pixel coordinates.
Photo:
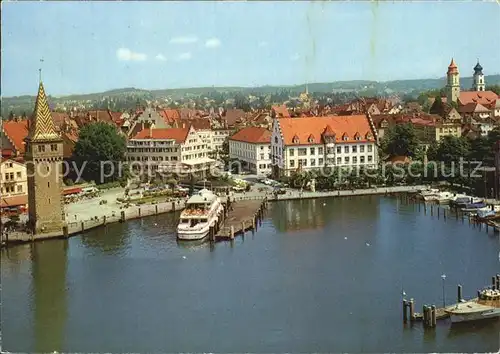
(444, 278)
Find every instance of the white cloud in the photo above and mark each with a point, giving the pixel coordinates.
(212, 43)
(126, 54)
(184, 40)
(263, 44)
(184, 56)
(295, 57)
(160, 57)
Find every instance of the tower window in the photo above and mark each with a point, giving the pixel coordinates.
(41, 148)
(53, 147)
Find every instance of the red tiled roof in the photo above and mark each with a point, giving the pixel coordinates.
(170, 116)
(16, 132)
(59, 119)
(482, 97)
(281, 111)
(115, 116)
(233, 116)
(254, 135)
(17, 200)
(178, 134)
(315, 126)
(199, 123)
(473, 107)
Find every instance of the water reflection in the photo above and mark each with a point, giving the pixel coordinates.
(311, 214)
(113, 239)
(49, 260)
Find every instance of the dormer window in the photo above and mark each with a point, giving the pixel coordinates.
(369, 136)
(357, 136)
(345, 137)
(295, 139)
(310, 139)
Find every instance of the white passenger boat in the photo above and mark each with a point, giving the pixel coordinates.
(472, 311)
(202, 211)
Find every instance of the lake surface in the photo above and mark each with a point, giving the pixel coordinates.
(322, 275)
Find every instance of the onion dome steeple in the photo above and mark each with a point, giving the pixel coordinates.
(478, 69)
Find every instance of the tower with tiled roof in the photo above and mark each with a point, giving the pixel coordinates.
(44, 156)
(478, 83)
(453, 83)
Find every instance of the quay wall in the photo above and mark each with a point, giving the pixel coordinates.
(143, 210)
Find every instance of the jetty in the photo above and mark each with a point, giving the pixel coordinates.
(238, 217)
(431, 313)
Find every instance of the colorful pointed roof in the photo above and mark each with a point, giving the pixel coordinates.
(42, 125)
(452, 68)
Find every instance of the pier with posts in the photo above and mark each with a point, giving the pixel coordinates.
(431, 314)
(238, 217)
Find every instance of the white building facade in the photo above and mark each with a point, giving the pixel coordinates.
(170, 150)
(252, 147)
(317, 142)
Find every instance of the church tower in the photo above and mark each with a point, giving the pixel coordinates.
(453, 83)
(44, 155)
(478, 83)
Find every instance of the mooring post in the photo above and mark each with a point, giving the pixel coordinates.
(104, 220)
(243, 226)
(438, 208)
(494, 283)
(412, 310)
(122, 218)
(156, 208)
(405, 311)
(498, 281)
(139, 211)
(173, 206)
(459, 293)
(83, 226)
(432, 209)
(65, 231)
(444, 214)
(425, 209)
(425, 315)
(232, 232)
(433, 316)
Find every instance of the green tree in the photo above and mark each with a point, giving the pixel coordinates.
(452, 149)
(99, 151)
(400, 140)
(494, 88)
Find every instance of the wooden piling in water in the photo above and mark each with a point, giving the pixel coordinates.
(139, 211)
(425, 315)
(231, 235)
(405, 311)
(412, 310)
(65, 231)
(122, 216)
(173, 206)
(156, 209)
(432, 210)
(433, 316)
(494, 283)
(459, 293)
(83, 226)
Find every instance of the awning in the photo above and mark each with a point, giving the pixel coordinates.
(70, 191)
(17, 200)
(198, 161)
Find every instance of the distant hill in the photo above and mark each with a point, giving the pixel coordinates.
(24, 103)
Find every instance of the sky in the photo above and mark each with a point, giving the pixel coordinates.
(91, 47)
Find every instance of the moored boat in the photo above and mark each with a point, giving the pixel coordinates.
(202, 212)
(472, 311)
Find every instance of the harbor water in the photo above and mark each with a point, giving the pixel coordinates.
(320, 275)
